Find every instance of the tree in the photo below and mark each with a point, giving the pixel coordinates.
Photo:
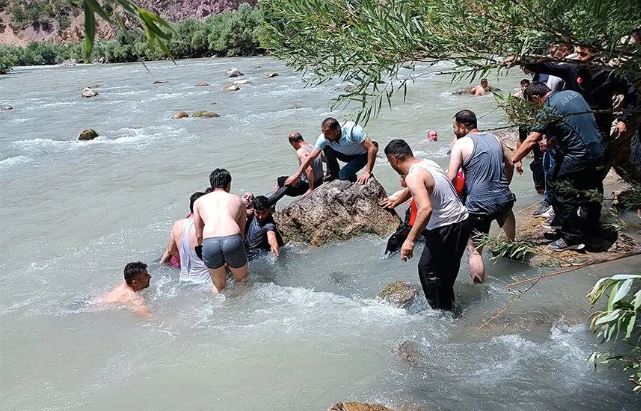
(367, 42)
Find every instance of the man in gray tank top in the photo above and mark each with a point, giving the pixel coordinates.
(440, 217)
(488, 172)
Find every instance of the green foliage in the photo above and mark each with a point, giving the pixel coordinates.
(519, 250)
(619, 321)
(232, 33)
(367, 42)
(41, 12)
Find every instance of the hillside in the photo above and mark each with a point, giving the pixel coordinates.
(61, 21)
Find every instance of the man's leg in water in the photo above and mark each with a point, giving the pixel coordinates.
(218, 279)
(509, 226)
(480, 225)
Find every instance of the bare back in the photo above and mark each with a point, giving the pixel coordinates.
(221, 213)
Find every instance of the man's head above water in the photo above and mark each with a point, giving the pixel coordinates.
(261, 208)
(295, 139)
(136, 275)
(220, 179)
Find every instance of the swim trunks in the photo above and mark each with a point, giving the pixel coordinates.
(225, 249)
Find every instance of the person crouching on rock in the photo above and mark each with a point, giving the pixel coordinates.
(311, 178)
(262, 234)
(136, 279)
(220, 218)
(443, 217)
(348, 143)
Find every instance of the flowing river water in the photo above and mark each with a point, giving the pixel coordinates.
(310, 331)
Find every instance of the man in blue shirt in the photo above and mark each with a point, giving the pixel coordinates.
(575, 180)
(348, 143)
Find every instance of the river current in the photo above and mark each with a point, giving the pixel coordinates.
(310, 331)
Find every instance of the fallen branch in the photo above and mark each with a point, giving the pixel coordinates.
(535, 281)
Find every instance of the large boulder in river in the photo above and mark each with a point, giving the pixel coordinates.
(89, 92)
(205, 114)
(337, 210)
(180, 114)
(88, 134)
(234, 72)
(399, 294)
(357, 406)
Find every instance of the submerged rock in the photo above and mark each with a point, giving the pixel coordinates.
(240, 82)
(160, 81)
(409, 352)
(208, 114)
(335, 211)
(6, 107)
(234, 72)
(399, 294)
(180, 114)
(272, 74)
(357, 406)
(232, 87)
(201, 84)
(88, 134)
(89, 92)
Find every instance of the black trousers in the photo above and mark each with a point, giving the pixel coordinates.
(440, 262)
(569, 191)
(295, 190)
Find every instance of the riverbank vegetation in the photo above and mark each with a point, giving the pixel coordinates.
(231, 33)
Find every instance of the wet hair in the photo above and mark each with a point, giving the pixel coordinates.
(467, 118)
(536, 88)
(193, 199)
(220, 178)
(132, 270)
(484, 80)
(261, 203)
(398, 148)
(331, 123)
(525, 81)
(295, 136)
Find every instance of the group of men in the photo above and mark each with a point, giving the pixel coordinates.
(575, 123)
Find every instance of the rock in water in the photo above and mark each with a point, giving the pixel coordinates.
(335, 211)
(6, 107)
(272, 74)
(89, 92)
(232, 87)
(399, 294)
(88, 134)
(205, 114)
(201, 84)
(357, 406)
(180, 114)
(241, 82)
(234, 72)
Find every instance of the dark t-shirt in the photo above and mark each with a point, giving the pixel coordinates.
(567, 117)
(256, 235)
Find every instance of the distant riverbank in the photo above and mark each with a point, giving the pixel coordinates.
(232, 33)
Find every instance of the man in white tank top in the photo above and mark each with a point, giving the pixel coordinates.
(182, 241)
(441, 218)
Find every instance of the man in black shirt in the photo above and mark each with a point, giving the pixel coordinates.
(261, 233)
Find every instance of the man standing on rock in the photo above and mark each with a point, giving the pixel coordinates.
(348, 143)
(220, 219)
(488, 172)
(312, 178)
(443, 217)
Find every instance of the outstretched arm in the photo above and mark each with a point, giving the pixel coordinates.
(396, 199)
(508, 165)
(420, 185)
(172, 247)
(303, 166)
(524, 149)
(372, 150)
(273, 242)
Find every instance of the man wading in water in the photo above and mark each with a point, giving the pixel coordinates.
(220, 218)
(440, 211)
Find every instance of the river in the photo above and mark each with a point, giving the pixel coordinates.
(310, 331)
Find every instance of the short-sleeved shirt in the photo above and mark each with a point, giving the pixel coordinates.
(256, 233)
(350, 142)
(567, 117)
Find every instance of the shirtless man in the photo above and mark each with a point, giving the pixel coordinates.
(182, 241)
(312, 177)
(136, 279)
(220, 219)
(442, 219)
(481, 89)
(432, 135)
